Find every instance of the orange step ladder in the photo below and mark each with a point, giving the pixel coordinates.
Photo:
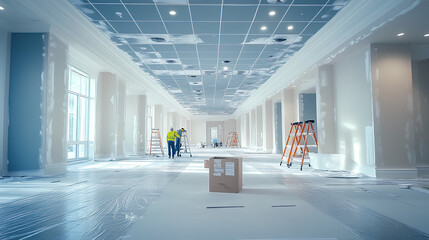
(156, 143)
(233, 140)
(300, 133)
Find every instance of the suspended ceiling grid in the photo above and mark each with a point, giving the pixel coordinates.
(210, 54)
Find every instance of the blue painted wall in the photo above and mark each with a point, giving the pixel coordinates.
(25, 99)
(308, 108)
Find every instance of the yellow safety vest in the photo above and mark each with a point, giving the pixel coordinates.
(171, 136)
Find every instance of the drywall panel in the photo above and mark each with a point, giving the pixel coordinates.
(27, 66)
(55, 107)
(229, 126)
(421, 100)
(353, 110)
(198, 131)
(267, 125)
(135, 125)
(278, 122)
(325, 100)
(247, 130)
(4, 98)
(393, 110)
(110, 118)
(289, 110)
(258, 129)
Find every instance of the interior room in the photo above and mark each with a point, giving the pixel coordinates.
(214, 119)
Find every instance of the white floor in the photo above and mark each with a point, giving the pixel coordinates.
(158, 198)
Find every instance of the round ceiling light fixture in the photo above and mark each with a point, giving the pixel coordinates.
(225, 68)
(426, 35)
(226, 61)
(400, 34)
(263, 28)
(272, 13)
(1, 8)
(172, 12)
(290, 27)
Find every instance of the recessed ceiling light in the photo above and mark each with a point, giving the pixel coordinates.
(290, 27)
(263, 28)
(272, 13)
(400, 34)
(225, 68)
(426, 35)
(172, 13)
(1, 8)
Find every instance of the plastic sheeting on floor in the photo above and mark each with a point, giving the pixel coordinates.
(91, 202)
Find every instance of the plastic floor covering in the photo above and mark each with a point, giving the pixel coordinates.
(158, 198)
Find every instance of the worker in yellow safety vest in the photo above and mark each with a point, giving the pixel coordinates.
(171, 136)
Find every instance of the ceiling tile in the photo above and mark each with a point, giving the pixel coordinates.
(152, 27)
(182, 12)
(206, 27)
(126, 27)
(302, 13)
(205, 13)
(144, 12)
(179, 27)
(238, 13)
(235, 27)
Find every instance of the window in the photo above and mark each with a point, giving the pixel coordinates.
(81, 115)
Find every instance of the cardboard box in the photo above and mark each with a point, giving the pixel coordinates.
(225, 174)
(206, 164)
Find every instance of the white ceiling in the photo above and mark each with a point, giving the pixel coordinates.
(212, 54)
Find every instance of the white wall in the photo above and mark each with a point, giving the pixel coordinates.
(56, 102)
(353, 109)
(393, 111)
(110, 118)
(197, 132)
(135, 125)
(229, 125)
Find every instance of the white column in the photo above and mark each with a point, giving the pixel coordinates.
(55, 119)
(110, 117)
(252, 124)
(135, 127)
(267, 124)
(259, 143)
(393, 111)
(325, 98)
(247, 130)
(288, 112)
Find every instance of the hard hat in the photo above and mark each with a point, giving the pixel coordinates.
(171, 129)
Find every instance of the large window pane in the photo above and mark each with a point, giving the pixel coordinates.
(72, 118)
(83, 117)
(82, 151)
(71, 153)
(84, 85)
(91, 120)
(74, 83)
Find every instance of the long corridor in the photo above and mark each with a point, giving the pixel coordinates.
(158, 198)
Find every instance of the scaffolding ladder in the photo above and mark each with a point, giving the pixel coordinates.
(233, 140)
(156, 143)
(299, 133)
(185, 147)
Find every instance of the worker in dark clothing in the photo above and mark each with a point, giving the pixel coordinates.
(178, 144)
(171, 136)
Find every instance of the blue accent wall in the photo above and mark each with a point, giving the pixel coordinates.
(25, 99)
(308, 110)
